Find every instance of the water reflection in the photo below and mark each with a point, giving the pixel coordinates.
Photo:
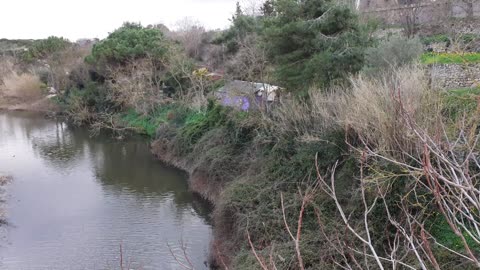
(75, 199)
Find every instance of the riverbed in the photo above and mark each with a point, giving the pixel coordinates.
(82, 202)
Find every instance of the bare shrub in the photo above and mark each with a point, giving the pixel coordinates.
(136, 85)
(67, 65)
(79, 111)
(190, 34)
(192, 84)
(213, 55)
(250, 62)
(26, 87)
(198, 43)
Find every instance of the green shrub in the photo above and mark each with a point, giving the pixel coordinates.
(149, 123)
(45, 47)
(197, 125)
(128, 43)
(392, 53)
(93, 96)
(308, 51)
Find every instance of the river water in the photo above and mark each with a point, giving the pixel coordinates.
(75, 201)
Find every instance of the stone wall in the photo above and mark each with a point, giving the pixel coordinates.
(450, 76)
(423, 11)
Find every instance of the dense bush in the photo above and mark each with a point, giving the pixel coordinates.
(198, 124)
(45, 47)
(242, 26)
(391, 54)
(84, 105)
(314, 42)
(128, 43)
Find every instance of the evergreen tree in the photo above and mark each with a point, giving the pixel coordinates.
(238, 12)
(314, 42)
(268, 8)
(242, 25)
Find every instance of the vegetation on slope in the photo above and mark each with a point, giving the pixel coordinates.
(352, 170)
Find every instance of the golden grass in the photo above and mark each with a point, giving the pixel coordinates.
(26, 87)
(373, 109)
(377, 109)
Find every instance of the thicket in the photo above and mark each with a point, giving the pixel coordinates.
(42, 48)
(314, 42)
(391, 54)
(128, 43)
(305, 43)
(135, 68)
(362, 173)
(275, 170)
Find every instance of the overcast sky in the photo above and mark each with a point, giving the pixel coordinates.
(74, 19)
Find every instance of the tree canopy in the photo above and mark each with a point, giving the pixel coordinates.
(314, 42)
(44, 47)
(129, 42)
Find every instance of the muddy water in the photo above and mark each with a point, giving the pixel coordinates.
(75, 200)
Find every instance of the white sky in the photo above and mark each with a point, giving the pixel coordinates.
(74, 19)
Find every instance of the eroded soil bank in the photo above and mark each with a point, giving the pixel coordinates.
(200, 183)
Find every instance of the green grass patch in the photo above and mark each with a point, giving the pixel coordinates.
(450, 58)
(148, 124)
(197, 124)
(457, 102)
(445, 235)
(145, 124)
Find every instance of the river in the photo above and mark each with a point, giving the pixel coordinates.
(76, 201)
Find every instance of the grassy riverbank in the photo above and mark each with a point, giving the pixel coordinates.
(357, 163)
(248, 163)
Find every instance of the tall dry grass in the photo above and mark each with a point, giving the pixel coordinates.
(26, 87)
(375, 108)
(372, 109)
(6, 67)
